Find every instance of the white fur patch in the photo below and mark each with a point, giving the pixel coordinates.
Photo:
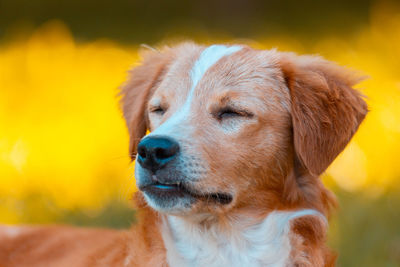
(128, 260)
(264, 244)
(10, 231)
(207, 59)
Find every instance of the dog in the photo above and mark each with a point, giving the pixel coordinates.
(229, 143)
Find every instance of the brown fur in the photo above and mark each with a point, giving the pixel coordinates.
(133, 102)
(306, 103)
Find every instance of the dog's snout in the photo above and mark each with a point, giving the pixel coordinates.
(155, 152)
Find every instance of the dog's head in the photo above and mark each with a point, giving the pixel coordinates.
(229, 124)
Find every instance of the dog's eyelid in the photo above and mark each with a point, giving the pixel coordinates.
(157, 109)
(230, 112)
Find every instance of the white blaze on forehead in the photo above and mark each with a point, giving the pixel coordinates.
(207, 59)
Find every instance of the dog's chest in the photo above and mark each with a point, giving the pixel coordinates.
(263, 244)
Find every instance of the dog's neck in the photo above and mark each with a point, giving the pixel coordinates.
(261, 243)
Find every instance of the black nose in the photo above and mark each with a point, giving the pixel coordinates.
(155, 152)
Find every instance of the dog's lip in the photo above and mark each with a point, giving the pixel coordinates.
(179, 189)
(161, 186)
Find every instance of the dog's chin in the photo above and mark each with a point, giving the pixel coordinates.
(168, 198)
(179, 199)
(173, 205)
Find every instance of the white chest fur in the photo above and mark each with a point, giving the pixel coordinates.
(264, 244)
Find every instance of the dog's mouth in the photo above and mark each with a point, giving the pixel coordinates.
(179, 189)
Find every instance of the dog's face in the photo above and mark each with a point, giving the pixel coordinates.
(224, 126)
(229, 121)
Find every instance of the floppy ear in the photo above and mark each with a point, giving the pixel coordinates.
(136, 92)
(326, 110)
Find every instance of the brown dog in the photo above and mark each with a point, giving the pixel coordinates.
(228, 175)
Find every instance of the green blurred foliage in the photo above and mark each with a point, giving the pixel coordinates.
(37, 208)
(152, 21)
(366, 230)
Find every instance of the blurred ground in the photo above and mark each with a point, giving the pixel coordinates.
(63, 143)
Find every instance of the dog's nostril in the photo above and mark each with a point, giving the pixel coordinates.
(164, 153)
(142, 152)
(161, 153)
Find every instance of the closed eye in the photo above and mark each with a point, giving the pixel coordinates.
(229, 112)
(157, 110)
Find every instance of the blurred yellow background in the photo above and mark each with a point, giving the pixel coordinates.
(63, 142)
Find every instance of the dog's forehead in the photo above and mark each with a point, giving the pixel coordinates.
(202, 71)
